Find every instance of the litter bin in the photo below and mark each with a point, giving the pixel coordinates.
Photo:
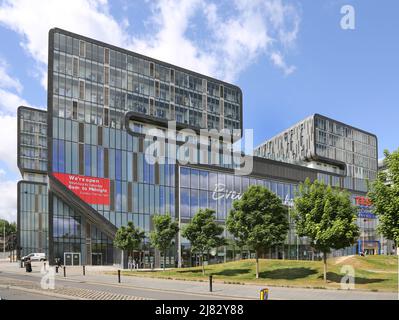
(264, 294)
(28, 266)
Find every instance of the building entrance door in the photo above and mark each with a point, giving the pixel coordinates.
(71, 259)
(96, 259)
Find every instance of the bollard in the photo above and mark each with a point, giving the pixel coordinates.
(84, 270)
(119, 276)
(64, 272)
(264, 294)
(210, 283)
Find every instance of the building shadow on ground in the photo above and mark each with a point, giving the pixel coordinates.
(336, 277)
(288, 273)
(232, 272)
(189, 271)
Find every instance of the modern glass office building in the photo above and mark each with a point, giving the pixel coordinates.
(349, 157)
(102, 103)
(32, 195)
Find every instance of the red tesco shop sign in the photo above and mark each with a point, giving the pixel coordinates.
(363, 201)
(92, 190)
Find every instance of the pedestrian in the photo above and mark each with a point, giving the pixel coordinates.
(28, 265)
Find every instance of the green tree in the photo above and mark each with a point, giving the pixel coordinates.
(165, 230)
(259, 220)
(11, 228)
(384, 194)
(204, 233)
(326, 216)
(10, 234)
(129, 238)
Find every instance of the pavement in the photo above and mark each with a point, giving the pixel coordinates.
(96, 285)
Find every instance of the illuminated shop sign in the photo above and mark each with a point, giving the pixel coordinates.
(363, 201)
(221, 192)
(365, 208)
(92, 190)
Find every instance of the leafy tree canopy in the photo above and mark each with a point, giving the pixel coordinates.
(164, 232)
(129, 237)
(203, 232)
(384, 194)
(258, 219)
(326, 216)
(11, 228)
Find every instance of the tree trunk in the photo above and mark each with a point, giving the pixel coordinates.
(202, 264)
(164, 260)
(325, 266)
(257, 264)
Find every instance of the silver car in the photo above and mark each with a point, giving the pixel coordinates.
(35, 257)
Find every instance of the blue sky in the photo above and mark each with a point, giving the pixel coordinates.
(349, 75)
(291, 58)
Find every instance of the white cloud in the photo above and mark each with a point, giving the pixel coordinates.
(278, 61)
(10, 91)
(8, 144)
(8, 203)
(232, 41)
(33, 19)
(9, 102)
(7, 81)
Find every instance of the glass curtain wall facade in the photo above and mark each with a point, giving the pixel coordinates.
(96, 83)
(32, 191)
(348, 156)
(72, 235)
(91, 88)
(32, 140)
(356, 148)
(201, 188)
(204, 188)
(32, 219)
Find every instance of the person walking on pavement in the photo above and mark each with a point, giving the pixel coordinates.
(28, 265)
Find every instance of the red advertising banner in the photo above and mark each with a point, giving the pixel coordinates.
(92, 190)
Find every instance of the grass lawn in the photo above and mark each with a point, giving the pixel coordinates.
(376, 273)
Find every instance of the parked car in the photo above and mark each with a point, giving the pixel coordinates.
(35, 257)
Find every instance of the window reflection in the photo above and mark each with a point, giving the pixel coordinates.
(185, 202)
(220, 187)
(185, 177)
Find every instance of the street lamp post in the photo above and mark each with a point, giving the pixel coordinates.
(364, 234)
(297, 247)
(4, 238)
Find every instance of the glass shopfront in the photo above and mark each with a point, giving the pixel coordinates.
(200, 189)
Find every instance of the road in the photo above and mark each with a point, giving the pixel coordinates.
(96, 285)
(18, 294)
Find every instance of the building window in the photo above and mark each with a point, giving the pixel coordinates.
(82, 48)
